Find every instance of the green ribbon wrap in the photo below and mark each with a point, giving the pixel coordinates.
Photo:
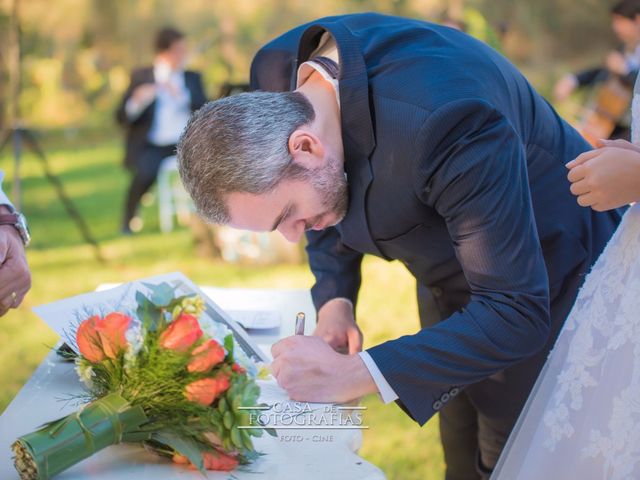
(63, 443)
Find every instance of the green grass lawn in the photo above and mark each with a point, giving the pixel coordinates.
(62, 265)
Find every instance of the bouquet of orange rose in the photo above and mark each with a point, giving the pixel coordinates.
(152, 377)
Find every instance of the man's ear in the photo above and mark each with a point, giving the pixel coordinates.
(306, 149)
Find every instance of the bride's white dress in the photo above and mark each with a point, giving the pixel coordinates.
(582, 420)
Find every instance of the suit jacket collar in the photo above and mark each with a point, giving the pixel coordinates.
(357, 127)
(354, 85)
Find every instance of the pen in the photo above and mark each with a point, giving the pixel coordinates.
(300, 323)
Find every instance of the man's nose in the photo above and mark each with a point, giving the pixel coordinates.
(292, 231)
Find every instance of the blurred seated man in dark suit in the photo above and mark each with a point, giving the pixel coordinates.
(154, 110)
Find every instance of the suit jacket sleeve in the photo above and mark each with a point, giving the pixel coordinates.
(595, 75)
(198, 97)
(473, 172)
(137, 79)
(591, 76)
(335, 266)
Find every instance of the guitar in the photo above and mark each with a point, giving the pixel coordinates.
(609, 105)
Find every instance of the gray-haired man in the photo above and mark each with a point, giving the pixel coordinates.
(455, 167)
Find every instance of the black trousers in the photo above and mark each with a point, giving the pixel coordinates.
(475, 425)
(145, 172)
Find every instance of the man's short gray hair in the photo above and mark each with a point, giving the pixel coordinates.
(240, 144)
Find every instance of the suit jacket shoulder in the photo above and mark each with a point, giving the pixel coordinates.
(193, 81)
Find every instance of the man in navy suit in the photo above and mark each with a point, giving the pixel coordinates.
(411, 142)
(154, 110)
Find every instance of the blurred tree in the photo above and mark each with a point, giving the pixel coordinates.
(76, 53)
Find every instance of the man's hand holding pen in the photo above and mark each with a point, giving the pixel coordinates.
(306, 367)
(311, 371)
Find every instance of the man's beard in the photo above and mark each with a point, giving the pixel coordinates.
(331, 185)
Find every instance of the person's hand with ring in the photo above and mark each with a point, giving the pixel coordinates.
(15, 278)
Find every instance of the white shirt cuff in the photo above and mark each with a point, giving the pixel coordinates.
(4, 200)
(387, 395)
(133, 109)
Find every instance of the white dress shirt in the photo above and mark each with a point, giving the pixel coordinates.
(327, 48)
(172, 107)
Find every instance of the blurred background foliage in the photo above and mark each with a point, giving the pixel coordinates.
(77, 53)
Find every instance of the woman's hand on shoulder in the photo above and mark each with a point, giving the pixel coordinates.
(608, 177)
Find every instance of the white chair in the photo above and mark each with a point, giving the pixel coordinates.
(172, 197)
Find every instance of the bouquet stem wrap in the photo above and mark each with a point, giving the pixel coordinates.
(61, 444)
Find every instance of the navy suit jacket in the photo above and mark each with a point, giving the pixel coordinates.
(455, 167)
(138, 129)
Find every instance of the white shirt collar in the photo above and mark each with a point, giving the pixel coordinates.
(326, 48)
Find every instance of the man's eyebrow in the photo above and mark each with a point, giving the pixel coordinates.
(284, 213)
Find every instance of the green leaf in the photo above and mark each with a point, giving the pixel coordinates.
(184, 446)
(53, 425)
(162, 294)
(249, 456)
(227, 420)
(147, 312)
(141, 299)
(159, 448)
(228, 345)
(66, 352)
(271, 431)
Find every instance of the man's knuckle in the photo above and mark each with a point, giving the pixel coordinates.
(285, 380)
(295, 395)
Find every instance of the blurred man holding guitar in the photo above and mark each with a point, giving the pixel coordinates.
(606, 116)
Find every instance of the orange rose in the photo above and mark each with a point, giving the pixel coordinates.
(206, 390)
(202, 391)
(238, 369)
(111, 330)
(206, 356)
(181, 333)
(219, 461)
(212, 461)
(223, 383)
(88, 340)
(180, 459)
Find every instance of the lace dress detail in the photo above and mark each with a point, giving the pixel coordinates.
(635, 118)
(602, 339)
(582, 420)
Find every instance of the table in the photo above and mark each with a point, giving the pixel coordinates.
(295, 454)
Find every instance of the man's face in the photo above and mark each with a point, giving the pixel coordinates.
(176, 55)
(626, 29)
(294, 205)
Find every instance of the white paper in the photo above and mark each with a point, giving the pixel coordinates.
(256, 319)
